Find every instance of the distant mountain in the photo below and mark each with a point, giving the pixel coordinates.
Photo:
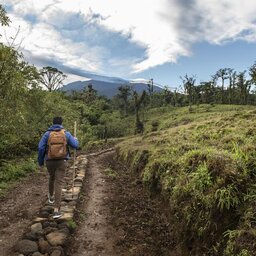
(106, 86)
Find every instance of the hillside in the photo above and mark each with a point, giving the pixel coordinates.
(202, 163)
(107, 88)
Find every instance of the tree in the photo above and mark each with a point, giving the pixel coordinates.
(51, 78)
(124, 93)
(188, 84)
(232, 81)
(222, 73)
(167, 95)
(89, 94)
(207, 92)
(4, 19)
(150, 90)
(244, 87)
(138, 100)
(252, 73)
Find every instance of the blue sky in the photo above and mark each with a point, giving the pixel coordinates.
(159, 39)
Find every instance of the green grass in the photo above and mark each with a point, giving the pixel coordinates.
(11, 171)
(110, 173)
(204, 163)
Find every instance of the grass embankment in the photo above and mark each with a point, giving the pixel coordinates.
(13, 170)
(204, 164)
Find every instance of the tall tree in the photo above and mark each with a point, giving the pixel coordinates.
(89, 94)
(252, 73)
(223, 75)
(138, 100)
(207, 92)
(51, 78)
(188, 84)
(244, 87)
(232, 84)
(124, 93)
(150, 90)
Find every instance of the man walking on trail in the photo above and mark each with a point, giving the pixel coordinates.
(53, 148)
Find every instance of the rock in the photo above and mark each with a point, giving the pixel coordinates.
(56, 253)
(72, 203)
(65, 231)
(37, 254)
(66, 217)
(44, 214)
(81, 174)
(51, 224)
(26, 247)
(75, 191)
(67, 208)
(56, 238)
(49, 230)
(36, 228)
(31, 236)
(78, 184)
(70, 197)
(63, 225)
(48, 209)
(38, 219)
(43, 245)
(78, 179)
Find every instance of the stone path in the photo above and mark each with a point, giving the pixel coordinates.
(45, 235)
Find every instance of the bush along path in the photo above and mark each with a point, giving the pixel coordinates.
(44, 235)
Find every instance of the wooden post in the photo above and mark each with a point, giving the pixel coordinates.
(74, 172)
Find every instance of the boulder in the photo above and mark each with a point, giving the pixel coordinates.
(26, 247)
(43, 245)
(36, 228)
(51, 224)
(56, 238)
(31, 236)
(49, 230)
(44, 214)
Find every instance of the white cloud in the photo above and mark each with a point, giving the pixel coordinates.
(72, 32)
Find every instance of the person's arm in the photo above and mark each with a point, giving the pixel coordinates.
(72, 141)
(42, 148)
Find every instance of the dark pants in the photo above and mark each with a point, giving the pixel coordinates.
(57, 172)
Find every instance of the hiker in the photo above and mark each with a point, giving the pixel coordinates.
(53, 148)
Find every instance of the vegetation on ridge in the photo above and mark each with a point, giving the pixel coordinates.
(203, 163)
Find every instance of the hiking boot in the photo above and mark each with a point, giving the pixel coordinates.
(50, 199)
(57, 215)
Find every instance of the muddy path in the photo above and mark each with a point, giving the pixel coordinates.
(115, 216)
(18, 207)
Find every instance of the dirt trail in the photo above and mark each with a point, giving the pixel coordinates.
(18, 207)
(115, 216)
(94, 235)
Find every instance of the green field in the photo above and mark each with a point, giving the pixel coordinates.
(203, 163)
